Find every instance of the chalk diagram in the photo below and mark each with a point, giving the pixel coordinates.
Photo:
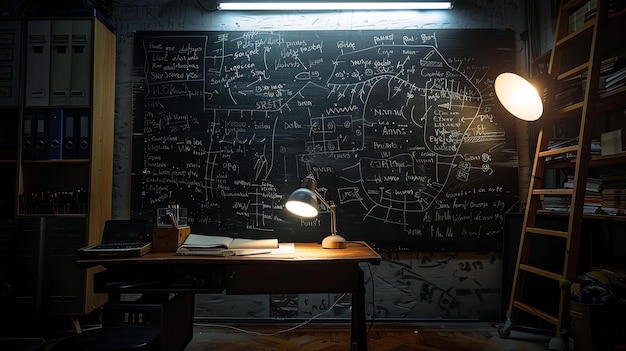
(432, 104)
(396, 134)
(397, 121)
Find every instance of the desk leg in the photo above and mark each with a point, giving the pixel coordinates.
(358, 337)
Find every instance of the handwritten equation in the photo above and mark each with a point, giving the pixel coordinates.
(401, 129)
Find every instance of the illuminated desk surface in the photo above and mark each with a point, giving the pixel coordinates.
(309, 269)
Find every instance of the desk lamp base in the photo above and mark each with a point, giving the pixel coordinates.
(334, 242)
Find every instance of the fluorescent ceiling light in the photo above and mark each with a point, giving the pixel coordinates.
(339, 5)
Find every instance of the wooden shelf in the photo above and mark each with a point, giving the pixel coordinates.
(594, 162)
(51, 162)
(595, 216)
(608, 101)
(32, 184)
(32, 215)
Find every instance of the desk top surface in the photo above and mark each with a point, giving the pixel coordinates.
(356, 252)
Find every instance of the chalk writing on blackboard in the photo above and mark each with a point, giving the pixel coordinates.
(401, 129)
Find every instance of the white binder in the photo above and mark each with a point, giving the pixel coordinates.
(60, 62)
(37, 92)
(82, 48)
(10, 50)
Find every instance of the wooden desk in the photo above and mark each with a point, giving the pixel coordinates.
(310, 269)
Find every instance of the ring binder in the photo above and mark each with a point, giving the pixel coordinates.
(55, 134)
(84, 146)
(69, 134)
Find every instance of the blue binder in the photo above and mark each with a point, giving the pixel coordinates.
(56, 134)
(28, 141)
(42, 136)
(70, 140)
(84, 127)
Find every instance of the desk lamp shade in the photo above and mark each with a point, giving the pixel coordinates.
(303, 202)
(519, 97)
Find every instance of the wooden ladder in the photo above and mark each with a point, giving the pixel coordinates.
(528, 272)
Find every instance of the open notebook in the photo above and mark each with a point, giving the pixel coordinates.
(211, 245)
(120, 238)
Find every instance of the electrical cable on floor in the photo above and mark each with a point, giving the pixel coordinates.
(369, 266)
(275, 333)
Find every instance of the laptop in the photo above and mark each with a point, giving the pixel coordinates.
(120, 238)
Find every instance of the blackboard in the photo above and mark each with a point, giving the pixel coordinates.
(401, 129)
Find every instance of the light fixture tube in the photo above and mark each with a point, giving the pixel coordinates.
(339, 5)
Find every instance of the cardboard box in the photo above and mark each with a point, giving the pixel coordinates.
(597, 327)
(169, 239)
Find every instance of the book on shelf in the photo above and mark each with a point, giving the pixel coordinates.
(615, 180)
(556, 203)
(612, 74)
(611, 142)
(568, 92)
(593, 185)
(582, 14)
(614, 198)
(557, 143)
(215, 245)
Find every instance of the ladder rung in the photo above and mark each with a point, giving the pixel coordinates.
(574, 71)
(541, 272)
(560, 191)
(586, 26)
(559, 151)
(569, 110)
(547, 232)
(573, 4)
(536, 312)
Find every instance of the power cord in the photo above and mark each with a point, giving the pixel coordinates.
(369, 267)
(275, 333)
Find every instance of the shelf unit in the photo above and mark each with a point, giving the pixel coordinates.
(56, 157)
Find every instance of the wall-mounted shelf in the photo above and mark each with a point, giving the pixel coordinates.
(57, 168)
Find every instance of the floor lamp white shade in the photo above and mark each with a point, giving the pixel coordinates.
(519, 97)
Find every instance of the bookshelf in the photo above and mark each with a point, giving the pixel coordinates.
(571, 167)
(610, 104)
(56, 157)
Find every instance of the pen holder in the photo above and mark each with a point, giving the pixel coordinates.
(169, 239)
(164, 215)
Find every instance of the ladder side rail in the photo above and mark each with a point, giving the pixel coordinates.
(530, 216)
(581, 168)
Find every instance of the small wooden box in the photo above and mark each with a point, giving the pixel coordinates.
(169, 239)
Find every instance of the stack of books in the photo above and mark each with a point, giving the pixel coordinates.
(593, 193)
(557, 143)
(569, 91)
(581, 15)
(612, 74)
(614, 192)
(615, 80)
(556, 203)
